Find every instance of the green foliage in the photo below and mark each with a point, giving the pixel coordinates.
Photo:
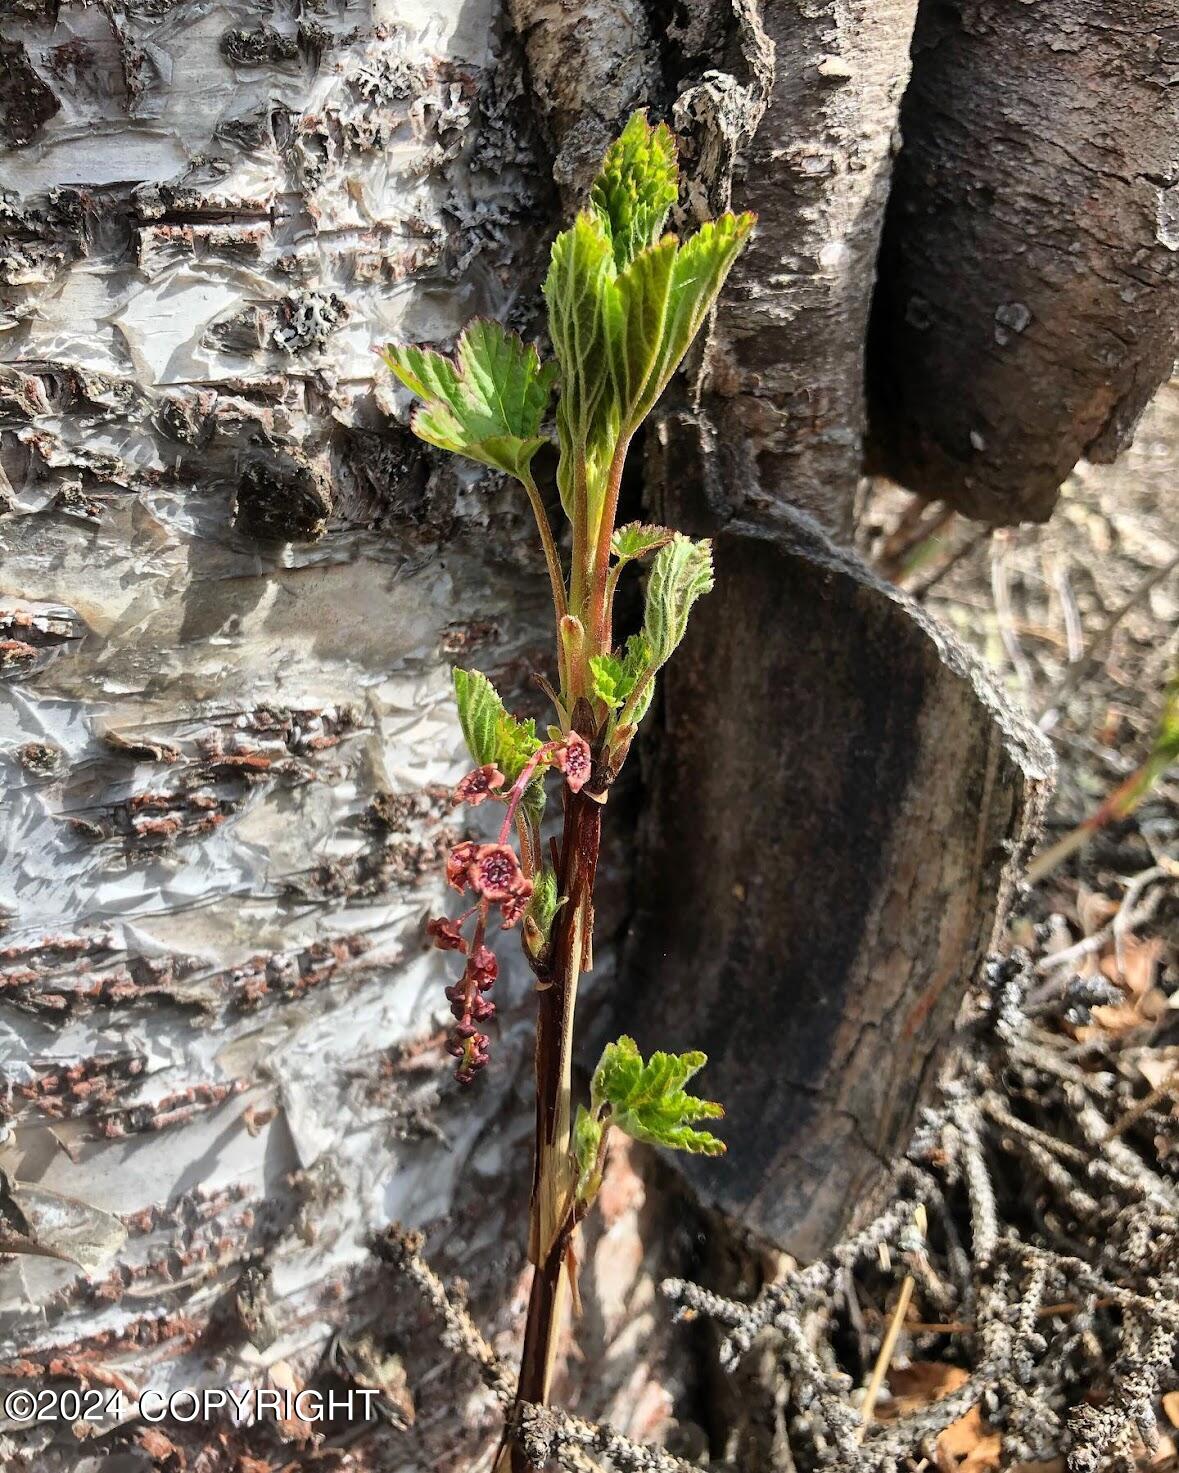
(615, 679)
(1163, 752)
(544, 901)
(576, 289)
(681, 573)
(664, 297)
(479, 708)
(625, 303)
(1166, 740)
(648, 1101)
(487, 404)
(636, 187)
(638, 540)
(491, 734)
(586, 1144)
(607, 674)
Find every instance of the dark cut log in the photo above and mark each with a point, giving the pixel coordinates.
(1028, 298)
(840, 806)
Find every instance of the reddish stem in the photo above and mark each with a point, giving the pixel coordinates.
(518, 788)
(552, 1210)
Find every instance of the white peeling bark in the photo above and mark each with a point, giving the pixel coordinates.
(232, 589)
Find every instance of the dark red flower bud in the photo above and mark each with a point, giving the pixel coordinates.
(458, 864)
(479, 785)
(482, 968)
(446, 934)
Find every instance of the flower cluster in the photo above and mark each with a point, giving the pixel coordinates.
(496, 876)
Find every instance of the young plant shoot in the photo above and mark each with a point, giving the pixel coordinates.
(625, 300)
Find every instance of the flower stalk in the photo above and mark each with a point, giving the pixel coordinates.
(625, 301)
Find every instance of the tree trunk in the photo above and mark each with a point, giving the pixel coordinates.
(233, 587)
(1028, 304)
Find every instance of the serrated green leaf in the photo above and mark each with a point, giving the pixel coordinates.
(516, 741)
(607, 675)
(643, 292)
(636, 187)
(479, 708)
(491, 733)
(581, 302)
(614, 678)
(665, 295)
(624, 305)
(647, 1100)
(488, 404)
(638, 540)
(681, 573)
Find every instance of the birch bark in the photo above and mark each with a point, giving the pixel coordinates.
(233, 586)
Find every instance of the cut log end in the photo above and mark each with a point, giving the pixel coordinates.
(840, 809)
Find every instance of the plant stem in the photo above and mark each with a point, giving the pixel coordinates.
(599, 592)
(580, 523)
(553, 1206)
(551, 556)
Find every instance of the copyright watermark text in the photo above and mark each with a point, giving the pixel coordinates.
(242, 1404)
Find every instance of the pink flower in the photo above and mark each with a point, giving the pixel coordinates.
(574, 760)
(446, 934)
(512, 909)
(495, 872)
(479, 785)
(458, 864)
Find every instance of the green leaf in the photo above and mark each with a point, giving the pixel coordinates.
(665, 295)
(681, 573)
(581, 302)
(607, 675)
(648, 1100)
(636, 187)
(624, 305)
(544, 901)
(491, 733)
(479, 708)
(488, 404)
(516, 741)
(1164, 749)
(1166, 741)
(643, 703)
(637, 540)
(587, 1141)
(615, 678)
